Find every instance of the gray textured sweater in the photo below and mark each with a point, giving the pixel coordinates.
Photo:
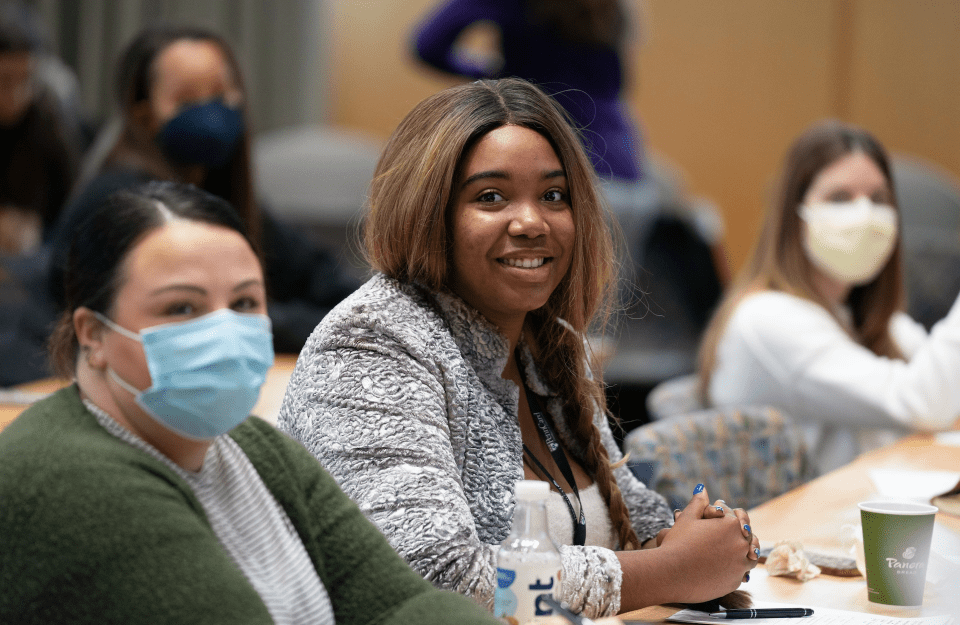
(398, 394)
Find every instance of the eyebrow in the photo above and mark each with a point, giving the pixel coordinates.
(201, 290)
(246, 283)
(502, 175)
(179, 287)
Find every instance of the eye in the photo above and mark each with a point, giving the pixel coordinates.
(489, 197)
(840, 195)
(555, 195)
(180, 309)
(246, 304)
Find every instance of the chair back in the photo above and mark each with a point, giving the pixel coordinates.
(676, 396)
(744, 456)
(929, 199)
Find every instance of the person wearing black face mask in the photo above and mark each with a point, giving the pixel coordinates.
(183, 116)
(205, 134)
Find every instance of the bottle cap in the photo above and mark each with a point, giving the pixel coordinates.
(532, 490)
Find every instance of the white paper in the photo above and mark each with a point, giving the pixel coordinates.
(947, 439)
(820, 616)
(943, 571)
(913, 485)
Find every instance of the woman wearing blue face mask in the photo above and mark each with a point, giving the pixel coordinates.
(182, 107)
(143, 492)
(815, 323)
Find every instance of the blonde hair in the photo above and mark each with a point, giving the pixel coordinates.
(407, 237)
(779, 263)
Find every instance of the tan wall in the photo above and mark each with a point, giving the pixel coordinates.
(721, 86)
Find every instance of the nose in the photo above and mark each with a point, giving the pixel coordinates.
(528, 221)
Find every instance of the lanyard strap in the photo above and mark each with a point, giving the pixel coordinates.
(552, 443)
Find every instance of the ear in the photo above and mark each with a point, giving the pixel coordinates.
(89, 332)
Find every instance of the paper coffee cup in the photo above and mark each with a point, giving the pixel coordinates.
(896, 549)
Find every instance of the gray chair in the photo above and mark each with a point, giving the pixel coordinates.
(316, 177)
(929, 199)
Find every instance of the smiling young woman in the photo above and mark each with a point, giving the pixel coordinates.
(418, 392)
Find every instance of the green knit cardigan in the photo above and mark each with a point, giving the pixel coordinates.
(93, 530)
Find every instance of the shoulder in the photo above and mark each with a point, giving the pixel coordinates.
(96, 191)
(57, 457)
(59, 439)
(777, 312)
(381, 310)
(109, 181)
(56, 427)
(763, 304)
(782, 331)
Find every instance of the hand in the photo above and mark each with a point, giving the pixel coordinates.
(710, 548)
(720, 509)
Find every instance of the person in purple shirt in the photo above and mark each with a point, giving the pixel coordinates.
(572, 49)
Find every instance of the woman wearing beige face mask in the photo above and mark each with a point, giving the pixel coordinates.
(814, 323)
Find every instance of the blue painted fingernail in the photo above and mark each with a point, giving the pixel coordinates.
(719, 508)
(756, 550)
(698, 489)
(746, 577)
(746, 527)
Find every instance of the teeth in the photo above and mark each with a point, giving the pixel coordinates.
(526, 263)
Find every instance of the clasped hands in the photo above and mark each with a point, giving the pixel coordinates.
(713, 537)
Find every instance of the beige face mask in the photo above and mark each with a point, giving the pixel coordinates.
(849, 241)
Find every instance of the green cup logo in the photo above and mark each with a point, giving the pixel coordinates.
(896, 546)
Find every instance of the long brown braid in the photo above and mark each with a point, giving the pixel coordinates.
(565, 361)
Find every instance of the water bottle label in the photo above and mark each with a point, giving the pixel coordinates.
(521, 590)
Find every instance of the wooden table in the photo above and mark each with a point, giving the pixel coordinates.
(814, 513)
(19, 397)
(268, 406)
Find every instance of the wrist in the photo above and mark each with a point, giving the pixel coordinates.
(649, 578)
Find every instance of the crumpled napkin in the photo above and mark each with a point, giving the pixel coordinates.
(787, 559)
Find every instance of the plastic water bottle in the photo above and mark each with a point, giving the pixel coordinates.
(528, 563)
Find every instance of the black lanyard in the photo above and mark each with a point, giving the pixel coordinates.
(553, 444)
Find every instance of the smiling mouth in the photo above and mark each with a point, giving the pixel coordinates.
(525, 263)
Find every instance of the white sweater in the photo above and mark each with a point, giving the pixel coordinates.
(789, 352)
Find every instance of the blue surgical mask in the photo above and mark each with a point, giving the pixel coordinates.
(202, 134)
(206, 373)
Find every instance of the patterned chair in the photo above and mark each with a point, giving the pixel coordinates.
(744, 456)
(675, 396)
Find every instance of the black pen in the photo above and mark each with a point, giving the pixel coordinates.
(764, 613)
